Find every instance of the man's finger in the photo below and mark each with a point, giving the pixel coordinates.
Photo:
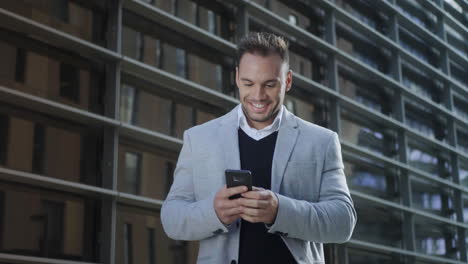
(252, 212)
(249, 218)
(232, 211)
(234, 190)
(253, 203)
(259, 195)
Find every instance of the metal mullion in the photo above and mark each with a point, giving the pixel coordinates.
(332, 70)
(111, 136)
(242, 22)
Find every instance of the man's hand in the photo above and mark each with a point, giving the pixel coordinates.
(227, 210)
(259, 206)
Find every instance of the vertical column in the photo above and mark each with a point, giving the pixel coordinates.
(399, 112)
(332, 71)
(242, 22)
(111, 135)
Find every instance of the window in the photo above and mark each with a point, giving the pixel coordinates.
(50, 224)
(20, 67)
(4, 139)
(432, 161)
(421, 83)
(141, 235)
(151, 246)
(387, 231)
(145, 170)
(53, 228)
(128, 245)
(69, 82)
(308, 107)
(372, 178)
(462, 140)
(132, 172)
(128, 106)
(432, 198)
(427, 123)
(60, 9)
(436, 238)
(39, 149)
(367, 134)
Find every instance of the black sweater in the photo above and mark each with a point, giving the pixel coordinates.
(257, 246)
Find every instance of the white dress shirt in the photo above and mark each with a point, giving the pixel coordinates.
(255, 133)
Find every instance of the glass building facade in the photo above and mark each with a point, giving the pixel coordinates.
(95, 96)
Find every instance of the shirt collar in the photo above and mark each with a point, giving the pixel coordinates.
(242, 121)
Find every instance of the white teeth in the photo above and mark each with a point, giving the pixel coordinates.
(258, 105)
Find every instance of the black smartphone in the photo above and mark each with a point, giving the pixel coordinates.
(238, 178)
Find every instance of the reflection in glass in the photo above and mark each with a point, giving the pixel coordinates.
(308, 108)
(432, 198)
(436, 238)
(158, 113)
(144, 171)
(49, 224)
(135, 246)
(426, 122)
(53, 75)
(372, 178)
(369, 135)
(387, 231)
(51, 148)
(434, 162)
(85, 21)
(463, 172)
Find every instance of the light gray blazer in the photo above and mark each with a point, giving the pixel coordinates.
(315, 206)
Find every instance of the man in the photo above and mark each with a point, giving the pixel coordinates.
(300, 199)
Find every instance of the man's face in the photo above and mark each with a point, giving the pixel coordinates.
(263, 83)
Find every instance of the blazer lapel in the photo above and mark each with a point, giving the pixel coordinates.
(228, 136)
(285, 142)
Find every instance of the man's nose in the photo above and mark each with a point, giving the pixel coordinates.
(258, 93)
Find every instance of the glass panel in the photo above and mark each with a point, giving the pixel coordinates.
(387, 231)
(362, 49)
(424, 121)
(366, 92)
(372, 136)
(460, 107)
(52, 148)
(418, 14)
(366, 13)
(308, 107)
(145, 171)
(308, 16)
(418, 48)
(462, 140)
(194, 64)
(73, 17)
(437, 239)
(53, 75)
(371, 177)
(133, 245)
(171, 116)
(433, 198)
(463, 172)
(432, 161)
(49, 224)
(421, 83)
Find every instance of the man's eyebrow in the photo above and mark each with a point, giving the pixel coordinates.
(245, 79)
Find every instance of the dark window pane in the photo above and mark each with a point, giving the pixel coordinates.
(128, 243)
(359, 256)
(4, 139)
(151, 246)
(49, 224)
(38, 149)
(69, 82)
(20, 65)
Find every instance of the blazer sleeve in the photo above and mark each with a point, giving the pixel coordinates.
(182, 217)
(332, 218)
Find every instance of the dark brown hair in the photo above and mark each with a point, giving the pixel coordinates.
(263, 44)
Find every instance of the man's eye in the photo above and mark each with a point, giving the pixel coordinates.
(271, 85)
(248, 84)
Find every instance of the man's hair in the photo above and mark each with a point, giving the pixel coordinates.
(263, 44)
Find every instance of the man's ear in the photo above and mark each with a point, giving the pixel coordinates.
(288, 80)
